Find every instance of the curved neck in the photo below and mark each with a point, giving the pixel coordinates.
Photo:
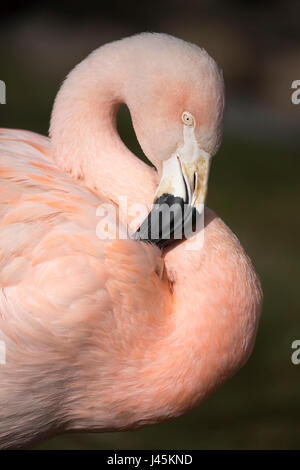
(85, 141)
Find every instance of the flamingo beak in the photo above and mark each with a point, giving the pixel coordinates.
(179, 200)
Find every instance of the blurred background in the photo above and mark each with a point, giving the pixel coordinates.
(254, 182)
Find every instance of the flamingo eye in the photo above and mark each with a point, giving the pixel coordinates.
(187, 118)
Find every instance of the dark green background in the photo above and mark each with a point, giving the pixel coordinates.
(254, 185)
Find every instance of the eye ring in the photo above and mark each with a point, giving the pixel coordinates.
(187, 118)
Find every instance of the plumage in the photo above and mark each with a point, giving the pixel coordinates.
(112, 334)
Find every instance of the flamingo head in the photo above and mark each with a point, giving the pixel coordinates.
(176, 101)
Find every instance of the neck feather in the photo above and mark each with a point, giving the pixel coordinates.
(83, 132)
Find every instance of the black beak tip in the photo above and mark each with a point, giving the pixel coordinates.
(170, 220)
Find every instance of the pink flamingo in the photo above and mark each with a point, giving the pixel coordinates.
(116, 334)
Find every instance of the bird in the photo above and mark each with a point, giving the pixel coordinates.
(117, 333)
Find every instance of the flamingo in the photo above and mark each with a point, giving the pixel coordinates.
(114, 334)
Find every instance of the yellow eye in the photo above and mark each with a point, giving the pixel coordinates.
(187, 118)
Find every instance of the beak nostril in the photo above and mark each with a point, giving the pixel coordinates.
(195, 181)
(188, 195)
